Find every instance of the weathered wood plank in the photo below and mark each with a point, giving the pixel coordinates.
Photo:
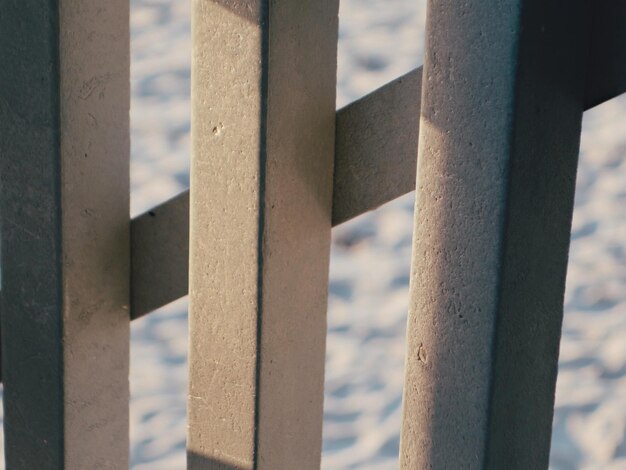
(498, 148)
(64, 156)
(263, 120)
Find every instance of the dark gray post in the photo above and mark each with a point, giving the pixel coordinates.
(503, 94)
(64, 149)
(263, 126)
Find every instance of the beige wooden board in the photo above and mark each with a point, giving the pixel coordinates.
(65, 233)
(498, 150)
(263, 126)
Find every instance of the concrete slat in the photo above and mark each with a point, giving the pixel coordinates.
(502, 106)
(263, 130)
(64, 156)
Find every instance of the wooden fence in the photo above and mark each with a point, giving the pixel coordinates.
(274, 167)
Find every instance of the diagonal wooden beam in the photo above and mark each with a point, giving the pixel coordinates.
(376, 147)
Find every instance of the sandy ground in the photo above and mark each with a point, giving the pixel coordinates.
(379, 40)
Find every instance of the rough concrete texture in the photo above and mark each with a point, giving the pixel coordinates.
(502, 103)
(64, 102)
(263, 125)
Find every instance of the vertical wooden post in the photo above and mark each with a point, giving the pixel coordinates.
(499, 134)
(263, 93)
(64, 151)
